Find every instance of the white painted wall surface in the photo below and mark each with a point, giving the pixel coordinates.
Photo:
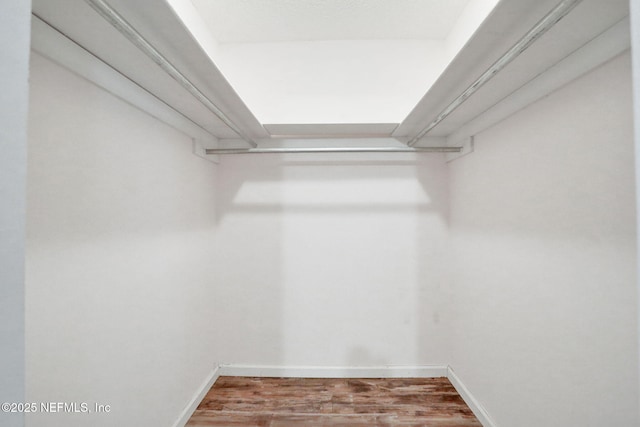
(120, 222)
(634, 7)
(14, 73)
(543, 235)
(332, 260)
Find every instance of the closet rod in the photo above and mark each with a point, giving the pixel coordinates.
(544, 25)
(120, 24)
(333, 150)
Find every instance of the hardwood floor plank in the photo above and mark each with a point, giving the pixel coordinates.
(203, 418)
(284, 402)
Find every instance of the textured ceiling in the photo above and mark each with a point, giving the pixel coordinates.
(302, 20)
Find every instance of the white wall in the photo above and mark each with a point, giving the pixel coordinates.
(332, 260)
(14, 68)
(119, 235)
(543, 234)
(635, 53)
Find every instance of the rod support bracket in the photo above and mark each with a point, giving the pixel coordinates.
(468, 147)
(200, 150)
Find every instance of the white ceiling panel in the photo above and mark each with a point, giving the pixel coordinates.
(234, 21)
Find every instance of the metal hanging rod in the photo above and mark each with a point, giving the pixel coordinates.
(544, 25)
(333, 150)
(120, 24)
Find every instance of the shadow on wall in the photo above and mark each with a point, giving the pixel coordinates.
(328, 259)
(248, 254)
(434, 300)
(272, 168)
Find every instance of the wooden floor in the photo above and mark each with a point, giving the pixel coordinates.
(280, 402)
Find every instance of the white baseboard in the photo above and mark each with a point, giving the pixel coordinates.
(473, 404)
(197, 398)
(334, 372)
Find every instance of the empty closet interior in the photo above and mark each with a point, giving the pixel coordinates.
(332, 187)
